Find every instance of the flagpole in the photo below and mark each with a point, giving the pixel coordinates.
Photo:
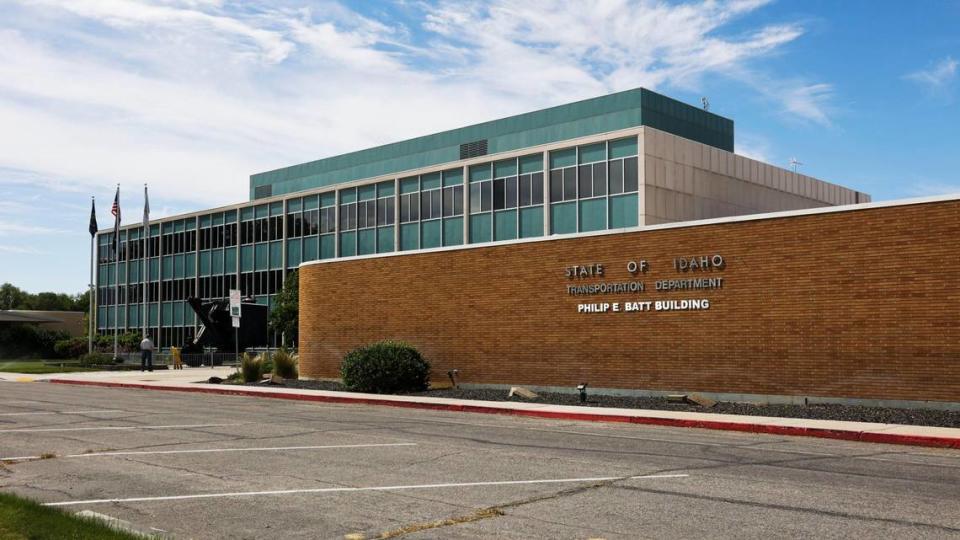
(90, 297)
(145, 257)
(116, 281)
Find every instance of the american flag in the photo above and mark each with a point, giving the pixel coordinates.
(116, 205)
(115, 210)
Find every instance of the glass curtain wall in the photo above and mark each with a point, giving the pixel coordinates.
(594, 187)
(589, 187)
(431, 210)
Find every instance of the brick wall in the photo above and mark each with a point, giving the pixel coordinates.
(858, 304)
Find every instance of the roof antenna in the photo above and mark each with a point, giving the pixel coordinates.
(794, 162)
(706, 103)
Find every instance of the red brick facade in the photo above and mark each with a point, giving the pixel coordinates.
(855, 304)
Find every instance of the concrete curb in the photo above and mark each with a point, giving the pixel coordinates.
(505, 409)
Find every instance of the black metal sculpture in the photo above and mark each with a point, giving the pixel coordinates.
(216, 328)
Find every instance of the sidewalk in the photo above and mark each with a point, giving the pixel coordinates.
(186, 381)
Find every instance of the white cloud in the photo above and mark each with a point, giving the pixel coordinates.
(808, 102)
(21, 250)
(9, 227)
(192, 96)
(753, 147)
(937, 76)
(925, 188)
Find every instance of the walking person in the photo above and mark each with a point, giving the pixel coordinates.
(146, 354)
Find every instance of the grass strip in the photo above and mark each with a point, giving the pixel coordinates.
(25, 519)
(38, 367)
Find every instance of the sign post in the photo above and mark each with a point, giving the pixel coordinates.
(235, 304)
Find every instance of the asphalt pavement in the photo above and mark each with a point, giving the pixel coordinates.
(211, 466)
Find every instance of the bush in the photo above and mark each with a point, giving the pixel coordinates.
(28, 341)
(251, 367)
(385, 367)
(71, 348)
(95, 359)
(266, 363)
(285, 364)
(128, 342)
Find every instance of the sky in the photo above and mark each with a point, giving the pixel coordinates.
(194, 96)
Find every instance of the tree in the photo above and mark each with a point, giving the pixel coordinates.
(50, 301)
(80, 302)
(10, 297)
(285, 317)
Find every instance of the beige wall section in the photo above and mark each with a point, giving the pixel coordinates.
(684, 180)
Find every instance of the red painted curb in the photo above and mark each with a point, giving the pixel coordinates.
(887, 438)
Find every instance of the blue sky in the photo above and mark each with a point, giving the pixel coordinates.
(192, 96)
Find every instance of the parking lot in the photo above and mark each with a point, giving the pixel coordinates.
(207, 466)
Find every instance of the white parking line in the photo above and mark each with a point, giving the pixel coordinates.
(114, 428)
(59, 412)
(211, 450)
(375, 488)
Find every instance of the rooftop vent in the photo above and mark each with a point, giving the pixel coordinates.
(262, 192)
(473, 149)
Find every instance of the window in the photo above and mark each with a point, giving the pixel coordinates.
(452, 201)
(511, 200)
(348, 216)
(261, 230)
(593, 180)
(246, 232)
(481, 196)
(294, 225)
(505, 193)
(430, 204)
(366, 214)
(276, 228)
(531, 189)
(409, 207)
(328, 220)
(630, 179)
(623, 176)
(229, 235)
(385, 210)
(563, 184)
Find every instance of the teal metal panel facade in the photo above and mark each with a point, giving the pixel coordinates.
(593, 215)
(481, 228)
(624, 211)
(430, 234)
(409, 236)
(505, 225)
(621, 110)
(531, 222)
(453, 231)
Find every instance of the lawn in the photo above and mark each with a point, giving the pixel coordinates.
(39, 367)
(22, 519)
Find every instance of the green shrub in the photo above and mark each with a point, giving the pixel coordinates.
(71, 348)
(28, 341)
(285, 364)
(266, 363)
(128, 342)
(251, 367)
(385, 367)
(95, 359)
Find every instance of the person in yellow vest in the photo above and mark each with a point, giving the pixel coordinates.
(177, 360)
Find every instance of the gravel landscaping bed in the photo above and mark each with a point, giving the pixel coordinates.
(917, 417)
